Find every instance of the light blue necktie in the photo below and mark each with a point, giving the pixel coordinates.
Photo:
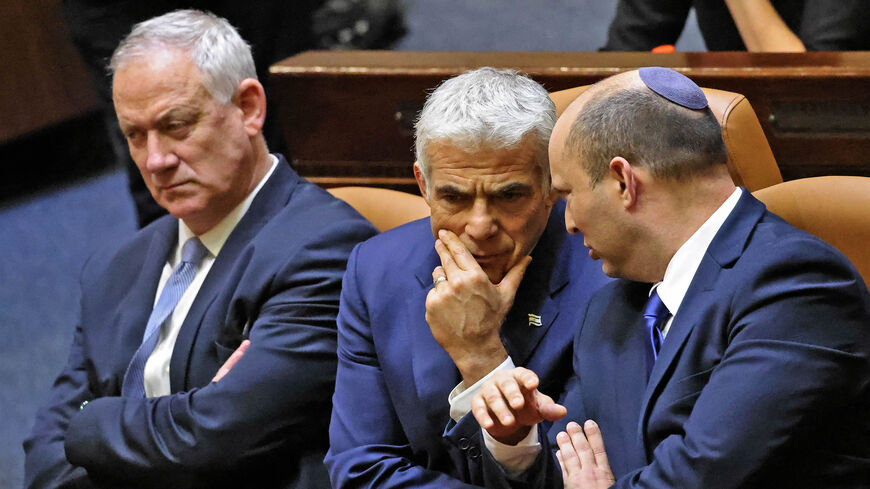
(655, 315)
(192, 253)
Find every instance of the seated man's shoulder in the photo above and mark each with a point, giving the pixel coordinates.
(312, 207)
(131, 251)
(775, 241)
(410, 241)
(312, 215)
(399, 260)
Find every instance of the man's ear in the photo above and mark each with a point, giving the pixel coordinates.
(625, 178)
(421, 180)
(251, 99)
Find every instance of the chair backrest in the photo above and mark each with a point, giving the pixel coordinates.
(834, 208)
(384, 208)
(750, 159)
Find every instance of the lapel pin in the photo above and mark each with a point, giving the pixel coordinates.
(535, 320)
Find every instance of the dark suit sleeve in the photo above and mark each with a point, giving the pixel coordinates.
(640, 25)
(368, 447)
(835, 25)
(45, 465)
(276, 396)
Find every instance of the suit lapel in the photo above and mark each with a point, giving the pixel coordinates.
(269, 201)
(610, 361)
(435, 375)
(722, 253)
(535, 309)
(134, 310)
(630, 372)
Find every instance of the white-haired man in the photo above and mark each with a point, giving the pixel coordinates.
(251, 251)
(405, 344)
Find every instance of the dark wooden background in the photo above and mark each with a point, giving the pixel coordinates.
(348, 116)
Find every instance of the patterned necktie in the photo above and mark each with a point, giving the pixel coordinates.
(192, 253)
(655, 315)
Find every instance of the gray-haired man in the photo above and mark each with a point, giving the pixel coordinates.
(405, 344)
(143, 400)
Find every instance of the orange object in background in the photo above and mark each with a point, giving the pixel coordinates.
(664, 48)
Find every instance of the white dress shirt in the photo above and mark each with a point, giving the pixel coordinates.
(672, 289)
(157, 367)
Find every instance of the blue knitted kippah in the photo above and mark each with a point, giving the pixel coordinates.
(673, 86)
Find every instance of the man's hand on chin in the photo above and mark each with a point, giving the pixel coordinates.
(465, 310)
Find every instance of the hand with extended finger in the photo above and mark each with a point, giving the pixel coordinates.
(583, 458)
(509, 404)
(465, 310)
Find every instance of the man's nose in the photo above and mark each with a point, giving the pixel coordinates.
(569, 222)
(481, 223)
(160, 155)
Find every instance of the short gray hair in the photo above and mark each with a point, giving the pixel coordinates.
(487, 108)
(214, 46)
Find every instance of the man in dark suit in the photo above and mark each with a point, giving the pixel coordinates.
(399, 418)
(250, 252)
(735, 350)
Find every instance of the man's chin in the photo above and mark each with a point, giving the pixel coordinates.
(494, 273)
(182, 210)
(495, 270)
(610, 270)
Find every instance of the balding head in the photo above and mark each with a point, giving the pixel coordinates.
(621, 117)
(640, 172)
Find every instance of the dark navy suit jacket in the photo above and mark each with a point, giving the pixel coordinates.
(278, 276)
(390, 424)
(762, 381)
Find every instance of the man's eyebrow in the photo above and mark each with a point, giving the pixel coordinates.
(179, 112)
(448, 189)
(513, 187)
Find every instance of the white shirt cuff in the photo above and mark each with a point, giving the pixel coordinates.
(460, 397)
(514, 458)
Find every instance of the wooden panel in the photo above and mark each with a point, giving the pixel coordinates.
(43, 81)
(348, 116)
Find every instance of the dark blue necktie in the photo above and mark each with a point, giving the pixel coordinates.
(655, 315)
(192, 253)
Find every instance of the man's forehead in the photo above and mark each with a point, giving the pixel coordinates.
(166, 69)
(491, 166)
(447, 155)
(157, 86)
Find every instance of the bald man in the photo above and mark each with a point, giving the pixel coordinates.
(733, 351)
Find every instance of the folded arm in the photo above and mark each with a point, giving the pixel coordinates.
(275, 397)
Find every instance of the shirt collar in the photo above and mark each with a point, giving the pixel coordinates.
(214, 238)
(683, 265)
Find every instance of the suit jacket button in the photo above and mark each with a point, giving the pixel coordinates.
(473, 452)
(463, 443)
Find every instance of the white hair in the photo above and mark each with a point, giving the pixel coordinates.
(487, 108)
(214, 46)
